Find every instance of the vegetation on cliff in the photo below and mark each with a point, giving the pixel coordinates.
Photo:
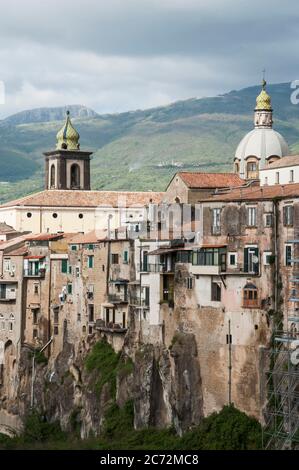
(228, 429)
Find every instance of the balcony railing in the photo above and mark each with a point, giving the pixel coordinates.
(30, 272)
(138, 302)
(118, 298)
(150, 267)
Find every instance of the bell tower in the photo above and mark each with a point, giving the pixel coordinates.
(67, 167)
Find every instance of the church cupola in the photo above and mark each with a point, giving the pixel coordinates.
(67, 167)
(263, 110)
(68, 137)
(262, 145)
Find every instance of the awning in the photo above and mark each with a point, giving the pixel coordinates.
(34, 257)
(162, 251)
(108, 305)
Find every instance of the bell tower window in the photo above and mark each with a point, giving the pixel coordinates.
(52, 177)
(75, 176)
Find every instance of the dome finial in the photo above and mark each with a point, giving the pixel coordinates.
(263, 100)
(68, 137)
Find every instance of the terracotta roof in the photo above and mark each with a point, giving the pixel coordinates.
(254, 193)
(90, 237)
(76, 198)
(45, 236)
(198, 180)
(4, 228)
(23, 250)
(284, 161)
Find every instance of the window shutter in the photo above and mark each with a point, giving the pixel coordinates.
(285, 215)
(64, 266)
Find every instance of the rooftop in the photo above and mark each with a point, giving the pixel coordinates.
(254, 193)
(199, 180)
(69, 198)
(284, 161)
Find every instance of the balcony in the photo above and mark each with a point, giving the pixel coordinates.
(110, 327)
(149, 268)
(32, 272)
(139, 302)
(120, 298)
(8, 296)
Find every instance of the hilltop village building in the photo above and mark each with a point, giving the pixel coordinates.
(140, 274)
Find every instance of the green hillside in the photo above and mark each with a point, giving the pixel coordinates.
(142, 149)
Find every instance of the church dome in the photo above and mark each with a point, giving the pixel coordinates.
(263, 144)
(68, 137)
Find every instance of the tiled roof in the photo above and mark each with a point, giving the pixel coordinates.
(254, 193)
(45, 236)
(76, 198)
(4, 228)
(197, 180)
(90, 237)
(23, 250)
(284, 161)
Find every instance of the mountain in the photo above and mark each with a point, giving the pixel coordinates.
(141, 149)
(50, 114)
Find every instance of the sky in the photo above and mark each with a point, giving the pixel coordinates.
(120, 55)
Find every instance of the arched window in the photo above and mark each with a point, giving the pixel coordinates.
(252, 168)
(52, 176)
(75, 176)
(237, 167)
(272, 159)
(250, 296)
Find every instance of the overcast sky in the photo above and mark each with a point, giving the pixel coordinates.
(118, 55)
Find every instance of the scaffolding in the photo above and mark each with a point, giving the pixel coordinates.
(281, 430)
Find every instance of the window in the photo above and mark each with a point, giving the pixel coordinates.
(147, 296)
(210, 257)
(232, 259)
(266, 180)
(250, 296)
(291, 176)
(288, 255)
(64, 266)
(7, 265)
(74, 247)
(29, 215)
(77, 271)
(56, 315)
(36, 288)
(75, 176)
(189, 283)
(80, 216)
(252, 170)
(126, 256)
(34, 333)
(70, 269)
(35, 313)
(90, 261)
(90, 312)
(288, 215)
(91, 246)
(268, 258)
(10, 326)
(277, 177)
(54, 215)
(216, 229)
(114, 258)
(268, 220)
(52, 176)
(70, 289)
(251, 216)
(251, 260)
(55, 330)
(78, 317)
(216, 292)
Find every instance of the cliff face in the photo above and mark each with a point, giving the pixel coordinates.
(164, 384)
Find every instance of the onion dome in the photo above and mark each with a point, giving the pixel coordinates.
(68, 137)
(263, 100)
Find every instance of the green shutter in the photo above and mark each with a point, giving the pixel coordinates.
(70, 288)
(90, 261)
(64, 266)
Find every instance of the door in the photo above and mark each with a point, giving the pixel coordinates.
(251, 260)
